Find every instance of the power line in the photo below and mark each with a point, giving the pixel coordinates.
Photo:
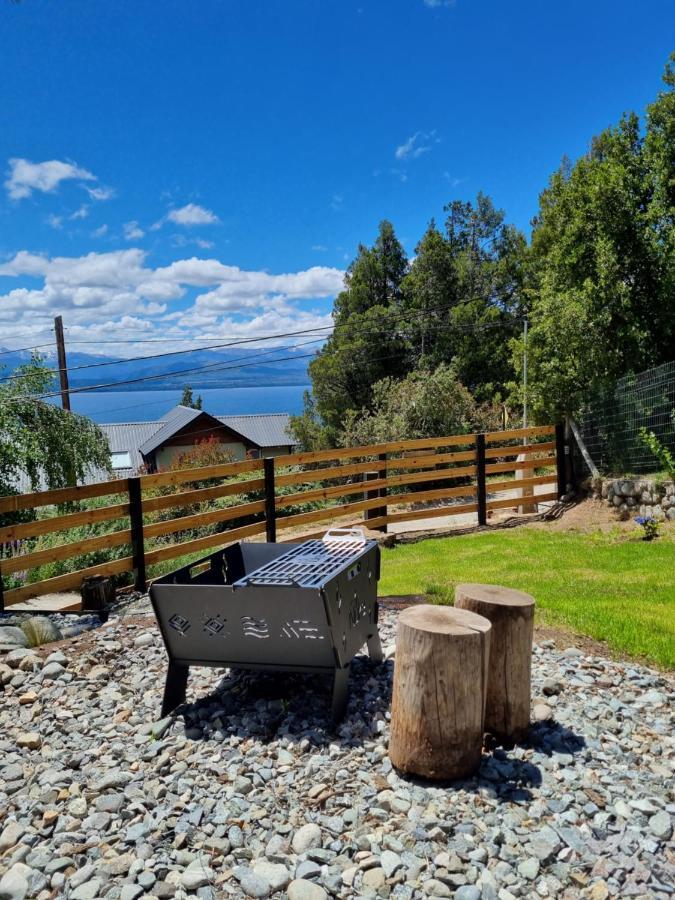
(240, 342)
(23, 349)
(212, 367)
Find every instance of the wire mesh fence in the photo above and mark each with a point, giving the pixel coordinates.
(610, 424)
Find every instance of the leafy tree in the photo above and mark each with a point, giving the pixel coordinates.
(488, 256)
(423, 404)
(50, 446)
(188, 398)
(307, 428)
(602, 263)
(367, 344)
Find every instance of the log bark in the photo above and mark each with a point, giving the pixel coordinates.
(507, 709)
(98, 594)
(438, 702)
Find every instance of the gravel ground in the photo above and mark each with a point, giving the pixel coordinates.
(248, 793)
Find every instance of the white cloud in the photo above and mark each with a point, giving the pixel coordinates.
(81, 213)
(55, 222)
(436, 4)
(101, 231)
(133, 231)
(100, 193)
(100, 293)
(319, 248)
(192, 214)
(337, 202)
(417, 144)
(24, 176)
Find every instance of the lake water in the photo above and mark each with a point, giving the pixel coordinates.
(147, 406)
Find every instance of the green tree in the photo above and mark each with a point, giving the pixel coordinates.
(367, 343)
(423, 404)
(602, 263)
(307, 428)
(50, 446)
(188, 398)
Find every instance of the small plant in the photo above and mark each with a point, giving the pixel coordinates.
(650, 527)
(659, 450)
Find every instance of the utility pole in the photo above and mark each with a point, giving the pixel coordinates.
(63, 367)
(525, 374)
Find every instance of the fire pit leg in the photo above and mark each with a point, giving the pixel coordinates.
(174, 688)
(375, 648)
(340, 693)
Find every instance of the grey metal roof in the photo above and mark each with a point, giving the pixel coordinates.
(264, 430)
(130, 436)
(183, 416)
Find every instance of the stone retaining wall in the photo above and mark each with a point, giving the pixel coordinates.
(645, 497)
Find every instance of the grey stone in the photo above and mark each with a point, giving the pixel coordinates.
(13, 636)
(306, 837)
(87, 891)
(14, 884)
(131, 891)
(529, 868)
(299, 889)
(275, 874)
(252, 884)
(52, 671)
(467, 892)
(11, 835)
(193, 878)
(435, 888)
(390, 862)
(660, 826)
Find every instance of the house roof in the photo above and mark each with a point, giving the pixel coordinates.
(129, 437)
(183, 415)
(268, 430)
(141, 438)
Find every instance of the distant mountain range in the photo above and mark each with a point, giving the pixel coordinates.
(225, 368)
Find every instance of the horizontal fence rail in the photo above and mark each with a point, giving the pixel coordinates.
(150, 519)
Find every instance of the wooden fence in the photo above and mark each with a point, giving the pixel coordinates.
(389, 482)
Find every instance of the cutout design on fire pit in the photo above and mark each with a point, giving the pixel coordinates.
(214, 625)
(256, 628)
(179, 623)
(301, 628)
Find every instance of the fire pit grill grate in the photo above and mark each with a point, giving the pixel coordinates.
(308, 565)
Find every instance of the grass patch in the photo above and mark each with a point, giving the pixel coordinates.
(609, 586)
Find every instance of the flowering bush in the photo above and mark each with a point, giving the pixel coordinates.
(649, 525)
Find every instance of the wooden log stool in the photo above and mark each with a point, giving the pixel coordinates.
(438, 703)
(507, 709)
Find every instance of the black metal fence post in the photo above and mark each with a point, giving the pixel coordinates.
(560, 459)
(481, 490)
(270, 501)
(136, 522)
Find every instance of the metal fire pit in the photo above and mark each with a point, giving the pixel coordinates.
(306, 607)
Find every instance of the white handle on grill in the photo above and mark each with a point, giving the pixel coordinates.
(344, 534)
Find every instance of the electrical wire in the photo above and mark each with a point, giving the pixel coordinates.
(211, 367)
(242, 341)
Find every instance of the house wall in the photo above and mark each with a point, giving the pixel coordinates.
(168, 453)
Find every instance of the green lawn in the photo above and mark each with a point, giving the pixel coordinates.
(609, 586)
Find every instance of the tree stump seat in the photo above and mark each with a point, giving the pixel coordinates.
(511, 613)
(438, 703)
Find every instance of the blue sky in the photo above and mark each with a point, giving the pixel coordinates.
(208, 169)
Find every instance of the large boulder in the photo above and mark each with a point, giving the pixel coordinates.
(11, 636)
